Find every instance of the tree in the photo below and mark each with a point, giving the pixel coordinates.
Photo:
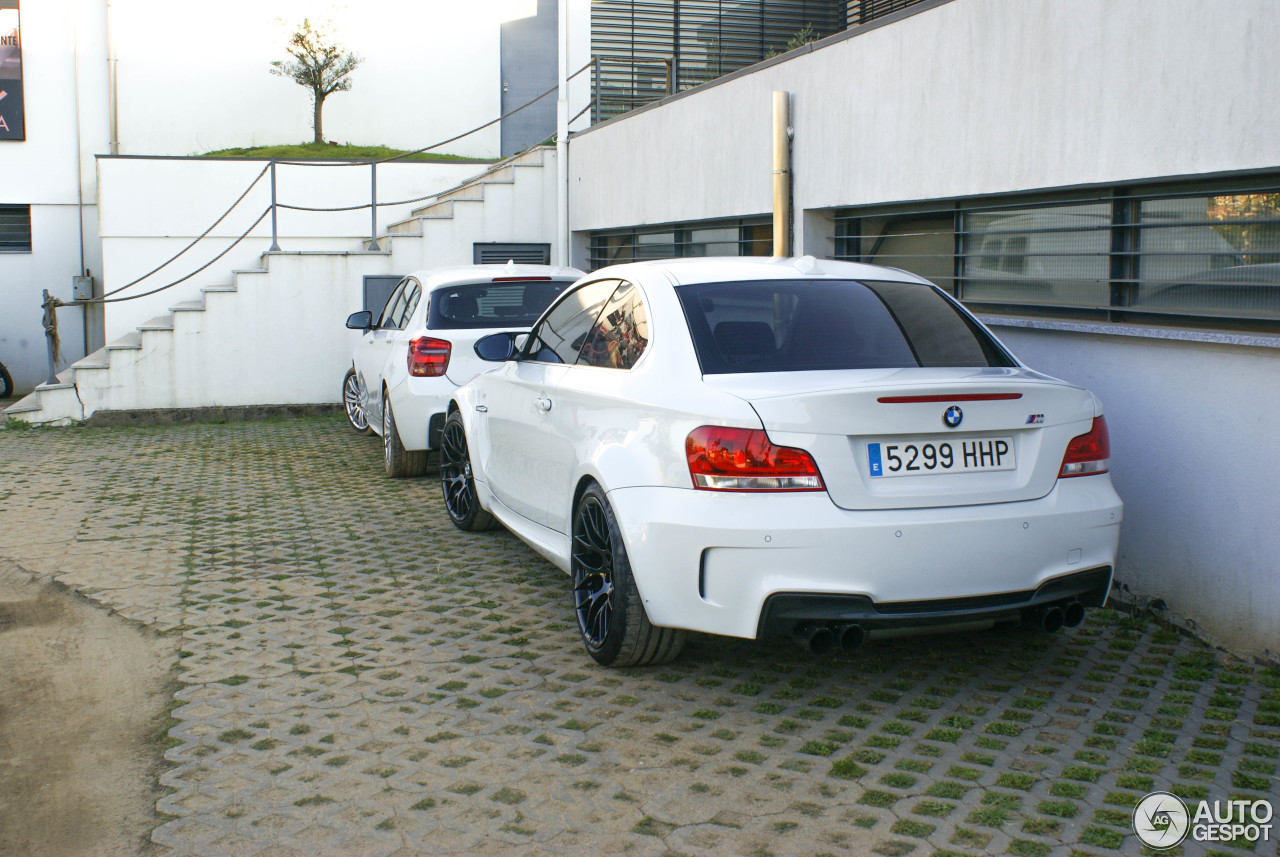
(320, 64)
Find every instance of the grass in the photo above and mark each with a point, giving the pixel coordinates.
(330, 151)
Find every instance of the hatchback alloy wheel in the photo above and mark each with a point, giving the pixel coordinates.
(399, 462)
(355, 399)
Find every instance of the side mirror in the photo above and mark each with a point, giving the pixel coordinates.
(496, 347)
(362, 320)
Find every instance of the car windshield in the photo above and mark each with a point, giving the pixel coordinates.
(506, 303)
(806, 325)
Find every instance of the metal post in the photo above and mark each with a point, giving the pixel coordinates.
(373, 207)
(598, 115)
(50, 322)
(275, 243)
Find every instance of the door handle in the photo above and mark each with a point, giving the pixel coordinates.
(484, 409)
(543, 403)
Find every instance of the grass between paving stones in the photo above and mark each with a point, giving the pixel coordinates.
(1035, 739)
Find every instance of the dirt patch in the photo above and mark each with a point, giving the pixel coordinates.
(81, 692)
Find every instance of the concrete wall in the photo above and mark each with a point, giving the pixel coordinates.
(1194, 458)
(980, 97)
(970, 97)
(153, 207)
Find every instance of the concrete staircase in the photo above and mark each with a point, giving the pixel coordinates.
(274, 335)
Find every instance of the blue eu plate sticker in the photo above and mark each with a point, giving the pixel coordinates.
(873, 459)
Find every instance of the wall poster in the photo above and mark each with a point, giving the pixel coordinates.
(12, 124)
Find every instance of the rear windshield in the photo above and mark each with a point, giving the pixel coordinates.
(507, 304)
(806, 325)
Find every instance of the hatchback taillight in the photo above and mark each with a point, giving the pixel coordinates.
(1088, 454)
(735, 459)
(428, 357)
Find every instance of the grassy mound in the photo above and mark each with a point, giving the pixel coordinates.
(328, 151)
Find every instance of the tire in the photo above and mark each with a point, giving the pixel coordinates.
(6, 383)
(611, 619)
(456, 482)
(400, 462)
(355, 401)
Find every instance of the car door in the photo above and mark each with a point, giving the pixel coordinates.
(588, 402)
(395, 365)
(371, 355)
(523, 457)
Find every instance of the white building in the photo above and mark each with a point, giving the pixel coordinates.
(1099, 180)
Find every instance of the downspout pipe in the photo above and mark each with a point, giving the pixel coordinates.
(782, 133)
(562, 138)
(112, 95)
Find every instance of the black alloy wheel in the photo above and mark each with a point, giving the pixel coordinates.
(592, 573)
(612, 621)
(456, 481)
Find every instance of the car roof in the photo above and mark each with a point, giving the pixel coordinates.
(437, 278)
(720, 269)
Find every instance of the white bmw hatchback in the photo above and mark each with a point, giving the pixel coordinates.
(413, 356)
(758, 448)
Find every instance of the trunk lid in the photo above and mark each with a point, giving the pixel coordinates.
(1013, 428)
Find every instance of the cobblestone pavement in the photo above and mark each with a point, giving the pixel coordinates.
(359, 678)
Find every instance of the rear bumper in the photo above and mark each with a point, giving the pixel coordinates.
(419, 405)
(742, 564)
(782, 611)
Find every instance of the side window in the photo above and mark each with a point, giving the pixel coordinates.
(410, 304)
(387, 320)
(568, 324)
(621, 332)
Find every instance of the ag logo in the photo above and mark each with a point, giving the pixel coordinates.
(1161, 820)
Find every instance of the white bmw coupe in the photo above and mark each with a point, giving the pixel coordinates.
(755, 448)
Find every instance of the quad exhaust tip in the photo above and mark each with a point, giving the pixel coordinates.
(1057, 616)
(821, 639)
(818, 639)
(1051, 619)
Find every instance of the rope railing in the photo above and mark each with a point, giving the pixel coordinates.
(50, 303)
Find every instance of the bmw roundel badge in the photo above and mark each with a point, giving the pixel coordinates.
(952, 416)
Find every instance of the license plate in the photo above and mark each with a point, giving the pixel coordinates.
(954, 455)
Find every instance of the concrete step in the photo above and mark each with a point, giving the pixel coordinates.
(28, 404)
(97, 360)
(188, 306)
(160, 322)
(128, 341)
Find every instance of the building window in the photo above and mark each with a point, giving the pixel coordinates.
(652, 48)
(745, 237)
(15, 229)
(1202, 253)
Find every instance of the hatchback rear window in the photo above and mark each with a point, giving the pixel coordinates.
(806, 325)
(506, 304)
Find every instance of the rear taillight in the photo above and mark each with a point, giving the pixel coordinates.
(1088, 454)
(428, 357)
(735, 459)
